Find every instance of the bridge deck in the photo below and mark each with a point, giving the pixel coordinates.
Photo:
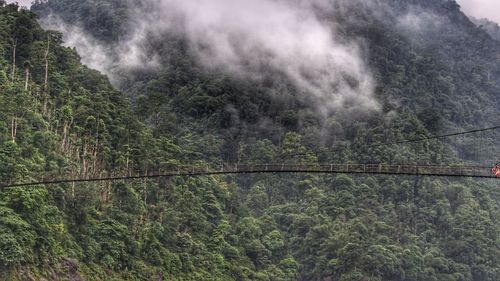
(378, 169)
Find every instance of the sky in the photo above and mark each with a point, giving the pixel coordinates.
(489, 9)
(21, 2)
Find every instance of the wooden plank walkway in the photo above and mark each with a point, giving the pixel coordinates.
(199, 170)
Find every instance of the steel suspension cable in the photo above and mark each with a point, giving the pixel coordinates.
(436, 137)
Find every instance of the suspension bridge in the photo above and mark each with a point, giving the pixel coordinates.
(228, 169)
(463, 171)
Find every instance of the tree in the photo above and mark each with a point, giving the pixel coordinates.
(17, 239)
(294, 152)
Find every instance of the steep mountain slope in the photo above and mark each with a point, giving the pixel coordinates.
(430, 62)
(434, 70)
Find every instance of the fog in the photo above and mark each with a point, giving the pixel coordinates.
(107, 58)
(245, 39)
(249, 38)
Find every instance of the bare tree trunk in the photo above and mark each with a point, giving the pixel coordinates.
(46, 81)
(84, 160)
(14, 60)
(96, 147)
(27, 77)
(13, 131)
(65, 136)
(127, 162)
(15, 128)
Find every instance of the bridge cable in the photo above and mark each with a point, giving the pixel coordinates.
(436, 137)
(212, 173)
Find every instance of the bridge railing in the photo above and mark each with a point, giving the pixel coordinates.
(324, 168)
(342, 168)
(200, 169)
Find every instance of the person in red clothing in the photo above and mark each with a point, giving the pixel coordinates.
(496, 170)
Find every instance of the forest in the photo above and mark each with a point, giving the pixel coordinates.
(60, 117)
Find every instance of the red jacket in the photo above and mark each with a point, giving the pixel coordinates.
(496, 171)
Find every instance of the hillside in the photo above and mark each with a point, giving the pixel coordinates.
(417, 66)
(492, 28)
(420, 68)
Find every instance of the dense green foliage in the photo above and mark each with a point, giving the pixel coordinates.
(294, 227)
(425, 78)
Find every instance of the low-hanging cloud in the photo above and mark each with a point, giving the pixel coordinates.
(107, 58)
(418, 20)
(248, 38)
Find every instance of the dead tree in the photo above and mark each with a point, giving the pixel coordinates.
(46, 81)
(26, 75)
(14, 60)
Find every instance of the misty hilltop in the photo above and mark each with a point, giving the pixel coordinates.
(242, 71)
(122, 88)
(492, 28)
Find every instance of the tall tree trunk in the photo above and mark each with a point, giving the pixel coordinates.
(96, 148)
(65, 136)
(14, 60)
(46, 81)
(84, 159)
(27, 77)
(13, 131)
